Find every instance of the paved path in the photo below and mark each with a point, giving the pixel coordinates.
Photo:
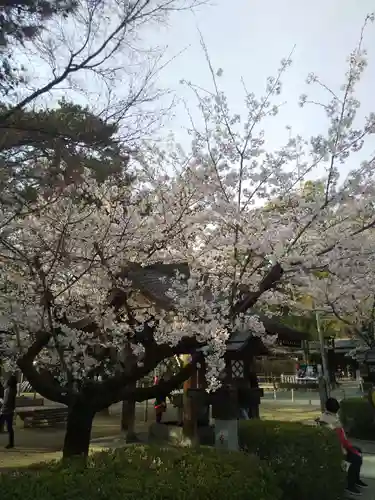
(368, 474)
(368, 467)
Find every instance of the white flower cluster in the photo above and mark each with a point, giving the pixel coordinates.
(228, 208)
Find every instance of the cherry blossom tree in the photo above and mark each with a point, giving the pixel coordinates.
(66, 259)
(91, 48)
(224, 228)
(261, 219)
(348, 295)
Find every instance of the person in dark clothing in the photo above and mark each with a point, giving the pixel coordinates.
(1, 404)
(160, 406)
(8, 408)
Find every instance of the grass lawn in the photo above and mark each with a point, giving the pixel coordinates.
(288, 414)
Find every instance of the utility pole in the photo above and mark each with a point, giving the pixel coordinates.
(322, 347)
(324, 380)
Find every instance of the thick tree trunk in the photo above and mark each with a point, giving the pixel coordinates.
(128, 419)
(78, 431)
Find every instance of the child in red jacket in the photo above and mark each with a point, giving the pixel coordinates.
(352, 454)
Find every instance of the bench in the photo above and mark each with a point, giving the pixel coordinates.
(22, 401)
(43, 417)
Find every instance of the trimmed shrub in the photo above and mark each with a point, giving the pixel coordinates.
(358, 418)
(307, 460)
(150, 473)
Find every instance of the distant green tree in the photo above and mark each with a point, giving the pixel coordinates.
(307, 323)
(43, 150)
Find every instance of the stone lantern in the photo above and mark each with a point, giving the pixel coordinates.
(239, 375)
(369, 363)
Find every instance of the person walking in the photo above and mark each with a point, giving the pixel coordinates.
(8, 408)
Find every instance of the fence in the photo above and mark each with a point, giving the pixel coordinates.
(271, 379)
(289, 379)
(25, 386)
(275, 380)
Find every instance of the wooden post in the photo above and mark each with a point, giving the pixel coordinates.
(145, 414)
(189, 425)
(20, 385)
(203, 412)
(201, 377)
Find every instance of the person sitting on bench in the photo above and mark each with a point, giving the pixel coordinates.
(353, 455)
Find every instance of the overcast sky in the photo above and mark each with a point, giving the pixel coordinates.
(248, 38)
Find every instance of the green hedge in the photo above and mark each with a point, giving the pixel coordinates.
(357, 417)
(307, 460)
(149, 473)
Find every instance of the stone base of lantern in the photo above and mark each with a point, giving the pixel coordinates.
(226, 434)
(172, 432)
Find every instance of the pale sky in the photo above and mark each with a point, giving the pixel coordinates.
(248, 38)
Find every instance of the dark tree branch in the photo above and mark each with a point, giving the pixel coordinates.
(121, 392)
(269, 281)
(41, 383)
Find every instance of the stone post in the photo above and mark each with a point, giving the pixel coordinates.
(225, 414)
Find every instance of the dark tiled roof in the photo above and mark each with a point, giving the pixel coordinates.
(275, 327)
(241, 340)
(155, 282)
(238, 340)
